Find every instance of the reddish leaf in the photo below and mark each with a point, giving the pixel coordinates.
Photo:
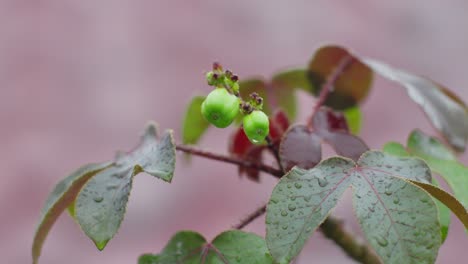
(332, 127)
(239, 144)
(327, 120)
(300, 147)
(254, 154)
(279, 123)
(353, 84)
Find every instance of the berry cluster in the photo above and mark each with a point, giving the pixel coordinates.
(223, 104)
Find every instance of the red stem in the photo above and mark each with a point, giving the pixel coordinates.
(241, 162)
(327, 87)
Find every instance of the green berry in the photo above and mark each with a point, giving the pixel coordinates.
(220, 107)
(256, 126)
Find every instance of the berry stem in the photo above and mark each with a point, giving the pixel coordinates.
(327, 86)
(241, 162)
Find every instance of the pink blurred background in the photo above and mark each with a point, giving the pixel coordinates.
(79, 80)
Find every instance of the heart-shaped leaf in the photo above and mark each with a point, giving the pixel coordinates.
(59, 199)
(100, 205)
(444, 213)
(301, 145)
(442, 162)
(398, 218)
(232, 246)
(194, 124)
(444, 109)
(184, 247)
(354, 82)
(419, 175)
(332, 127)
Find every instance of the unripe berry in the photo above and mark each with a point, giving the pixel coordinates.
(220, 107)
(256, 126)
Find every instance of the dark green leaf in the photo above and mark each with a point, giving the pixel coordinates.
(195, 124)
(352, 86)
(239, 247)
(233, 246)
(445, 110)
(59, 199)
(398, 218)
(100, 205)
(184, 247)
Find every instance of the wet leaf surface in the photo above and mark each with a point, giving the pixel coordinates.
(230, 247)
(101, 203)
(399, 219)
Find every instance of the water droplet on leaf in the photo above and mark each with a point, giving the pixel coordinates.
(322, 182)
(382, 241)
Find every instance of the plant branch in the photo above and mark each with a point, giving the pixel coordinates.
(327, 87)
(241, 162)
(251, 217)
(275, 152)
(333, 229)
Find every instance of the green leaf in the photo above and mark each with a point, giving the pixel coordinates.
(294, 79)
(59, 199)
(235, 246)
(354, 119)
(184, 247)
(232, 246)
(354, 82)
(194, 125)
(442, 161)
(444, 213)
(396, 149)
(444, 109)
(100, 205)
(398, 218)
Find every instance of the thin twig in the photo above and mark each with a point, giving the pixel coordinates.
(275, 152)
(251, 217)
(327, 87)
(241, 162)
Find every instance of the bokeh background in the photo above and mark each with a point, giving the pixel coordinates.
(80, 78)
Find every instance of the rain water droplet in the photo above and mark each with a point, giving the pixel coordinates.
(382, 241)
(298, 185)
(284, 213)
(292, 207)
(98, 199)
(322, 182)
(388, 192)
